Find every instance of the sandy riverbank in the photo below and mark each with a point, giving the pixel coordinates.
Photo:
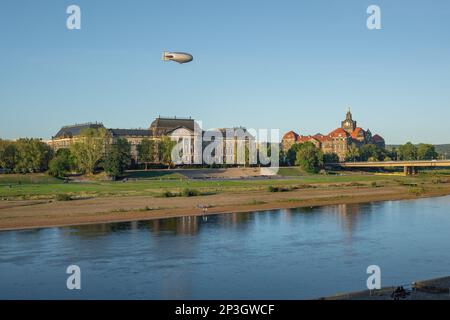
(26, 214)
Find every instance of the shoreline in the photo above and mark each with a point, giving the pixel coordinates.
(39, 215)
(433, 289)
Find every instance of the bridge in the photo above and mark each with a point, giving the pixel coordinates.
(409, 167)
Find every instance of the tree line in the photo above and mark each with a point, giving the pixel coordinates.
(307, 156)
(92, 152)
(408, 151)
(311, 158)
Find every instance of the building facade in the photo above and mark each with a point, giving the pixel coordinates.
(338, 141)
(186, 132)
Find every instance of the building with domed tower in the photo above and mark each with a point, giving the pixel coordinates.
(338, 141)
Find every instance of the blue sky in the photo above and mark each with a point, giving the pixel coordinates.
(293, 65)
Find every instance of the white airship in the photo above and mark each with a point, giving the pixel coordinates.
(180, 57)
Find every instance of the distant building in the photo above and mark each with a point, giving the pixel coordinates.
(337, 141)
(68, 134)
(184, 131)
(234, 139)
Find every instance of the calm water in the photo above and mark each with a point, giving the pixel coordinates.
(286, 254)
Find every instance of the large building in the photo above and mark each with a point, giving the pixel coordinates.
(337, 141)
(159, 128)
(184, 131)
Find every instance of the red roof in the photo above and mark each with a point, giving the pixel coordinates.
(303, 138)
(321, 137)
(357, 132)
(317, 138)
(291, 135)
(339, 132)
(377, 138)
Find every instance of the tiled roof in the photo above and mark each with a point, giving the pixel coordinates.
(291, 135)
(321, 137)
(357, 132)
(318, 138)
(303, 138)
(130, 132)
(74, 130)
(339, 132)
(377, 138)
(163, 125)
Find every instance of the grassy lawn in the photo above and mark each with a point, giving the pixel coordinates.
(291, 172)
(41, 186)
(445, 172)
(166, 175)
(39, 178)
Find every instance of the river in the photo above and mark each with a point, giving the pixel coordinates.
(281, 254)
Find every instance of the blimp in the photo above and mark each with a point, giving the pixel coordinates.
(180, 57)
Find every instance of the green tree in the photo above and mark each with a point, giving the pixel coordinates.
(283, 157)
(89, 150)
(370, 152)
(32, 155)
(309, 158)
(392, 155)
(146, 151)
(58, 167)
(330, 158)
(426, 152)
(352, 154)
(291, 155)
(62, 163)
(165, 147)
(367, 151)
(117, 159)
(8, 154)
(65, 154)
(407, 152)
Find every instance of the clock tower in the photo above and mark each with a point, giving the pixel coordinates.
(348, 124)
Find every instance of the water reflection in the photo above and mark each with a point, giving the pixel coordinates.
(278, 254)
(178, 226)
(347, 214)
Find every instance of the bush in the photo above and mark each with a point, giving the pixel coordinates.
(63, 197)
(417, 191)
(190, 193)
(437, 181)
(280, 189)
(355, 184)
(185, 193)
(168, 194)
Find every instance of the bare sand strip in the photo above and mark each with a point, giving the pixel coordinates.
(16, 215)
